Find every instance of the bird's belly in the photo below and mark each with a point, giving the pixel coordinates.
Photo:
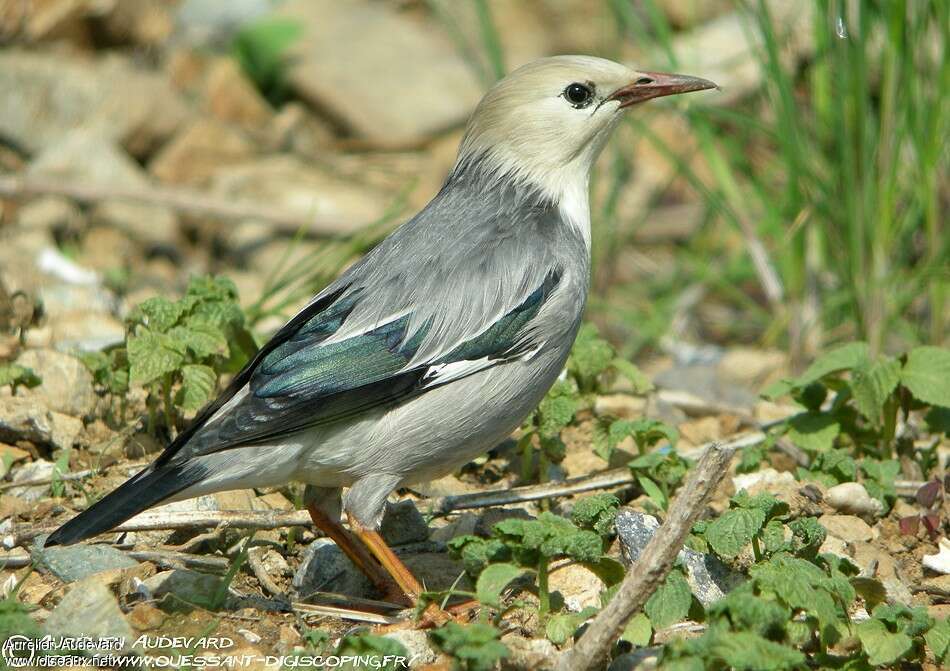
(435, 433)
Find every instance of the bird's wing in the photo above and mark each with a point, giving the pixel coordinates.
(306, 376)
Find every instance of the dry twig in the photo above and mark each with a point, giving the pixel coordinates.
(652, 567)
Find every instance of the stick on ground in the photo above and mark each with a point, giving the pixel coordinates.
(654, 564)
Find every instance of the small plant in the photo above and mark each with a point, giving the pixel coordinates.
(473, 647)
(15, 375)
(591, 368)
(385, 649)
(660, 473)
(260, 48)
(930, 497)
(518, 546)
(869, 394)
(177, 350)
(758, 521)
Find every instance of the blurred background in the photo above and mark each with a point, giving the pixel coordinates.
(145, 141)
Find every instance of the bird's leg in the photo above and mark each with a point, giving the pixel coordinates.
(393, 565)
(360, 556)
(433, 615)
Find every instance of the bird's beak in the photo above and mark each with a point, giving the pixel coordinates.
(649, 85)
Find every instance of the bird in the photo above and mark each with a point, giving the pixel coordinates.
(434, 347)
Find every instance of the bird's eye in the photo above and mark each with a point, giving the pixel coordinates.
(579, 95)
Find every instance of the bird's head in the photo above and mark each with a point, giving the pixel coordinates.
(546, 122)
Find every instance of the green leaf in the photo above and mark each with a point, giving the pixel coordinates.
(15, 375)
(476, 552)
(152, 355)
(609, 570)
(638, 379)
(938, 640)
(157, 313)
(475, 647)
(198, 384)
(872, 383)
(638, 631)
(203, 339)
(882, 646)
(927, 375)
(670, 603)
(556, 410)
(651, 489)
(370, 644)
(493, 580)
(560, 628)
(845, 357)
(773, 536)
(596, 512)
(815, 431)
(591, 354)
(729, 533)
(745, 651)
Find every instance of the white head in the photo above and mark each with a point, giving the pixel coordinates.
(547, 121)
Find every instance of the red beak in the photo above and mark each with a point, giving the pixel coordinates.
(656, 85)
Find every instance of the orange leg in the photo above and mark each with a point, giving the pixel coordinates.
(364, 561)
(433, 615)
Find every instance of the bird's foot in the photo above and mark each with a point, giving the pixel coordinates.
(433, 617)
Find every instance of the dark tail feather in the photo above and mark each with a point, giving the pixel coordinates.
(143, 490)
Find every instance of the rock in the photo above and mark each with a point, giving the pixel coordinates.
(332, 204)
(416, 643)
(368, 92)
(35, 470)
(150, 225)
(11, 506)
(403, 523)
(275, 564)
(579, 586)
(462, 525)
(185, 587)
(76, 562)
(232, 98)
(49, 96)
(529, 654)
(86, 331)
(848, 528)
(636, 660)
(200, 23)
(50, 214)
(144, 22)
(145, 616)
(55, 20)
(89, 610)
(709, 578)
(940, 562)
(67, 385)
(91, 156)
(492, 516)
(705, 381)
(753, 367)
(765, 479)
(852, 498)
(198, 151)
(324, 568)
(25, 419)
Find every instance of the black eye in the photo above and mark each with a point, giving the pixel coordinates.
(579, 95)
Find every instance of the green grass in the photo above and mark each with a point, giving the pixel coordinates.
(824, 188)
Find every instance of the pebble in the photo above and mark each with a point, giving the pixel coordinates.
(89, 610)
(847, 527)
(853, 499)
(70, 563)
(708, 577)
(940, 562)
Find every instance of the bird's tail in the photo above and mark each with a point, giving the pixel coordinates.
(145, 489)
